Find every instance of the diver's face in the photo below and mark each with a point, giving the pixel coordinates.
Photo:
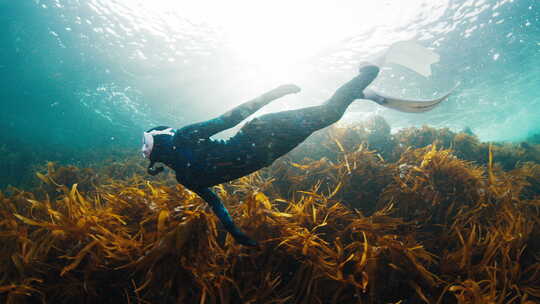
(148, 144)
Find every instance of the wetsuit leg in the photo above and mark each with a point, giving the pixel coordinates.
(233, 117)
(275, 134)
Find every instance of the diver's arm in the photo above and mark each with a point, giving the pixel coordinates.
(235, 116)
(219, 209)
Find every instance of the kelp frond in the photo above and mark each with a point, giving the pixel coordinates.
(354, 215)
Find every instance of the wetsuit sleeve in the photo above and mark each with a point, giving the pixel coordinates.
(233, 117)
(221, 212)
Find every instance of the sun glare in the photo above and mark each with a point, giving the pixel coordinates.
(279, 41)
(280, 33)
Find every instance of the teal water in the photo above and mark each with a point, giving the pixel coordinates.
(83, 77)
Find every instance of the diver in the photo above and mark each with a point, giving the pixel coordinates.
(201, 162)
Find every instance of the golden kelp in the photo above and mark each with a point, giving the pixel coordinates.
(355, 215)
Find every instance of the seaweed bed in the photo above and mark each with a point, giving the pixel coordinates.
(353, 215)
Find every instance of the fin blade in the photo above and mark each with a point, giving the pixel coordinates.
(410, 105)
(413, 56)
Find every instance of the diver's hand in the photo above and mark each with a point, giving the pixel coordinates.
(155, 171)
(283, 90)
(243, 239)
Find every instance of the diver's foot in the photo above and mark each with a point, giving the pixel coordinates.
(368, 72)
(354, 88)
(283, 90)
(367, 67)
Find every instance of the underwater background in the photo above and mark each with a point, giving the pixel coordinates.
(84, 77)
(384, 207)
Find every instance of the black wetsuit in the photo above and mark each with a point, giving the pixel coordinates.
(201, 162)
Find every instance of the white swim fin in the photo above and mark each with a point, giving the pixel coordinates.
(402, 104)
(410, 55)
(416, 58)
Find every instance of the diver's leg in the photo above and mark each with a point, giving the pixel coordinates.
(244, 110)
(350, 91)
(276, 134)
(235, 116)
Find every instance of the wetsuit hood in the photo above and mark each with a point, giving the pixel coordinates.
(155, 142)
